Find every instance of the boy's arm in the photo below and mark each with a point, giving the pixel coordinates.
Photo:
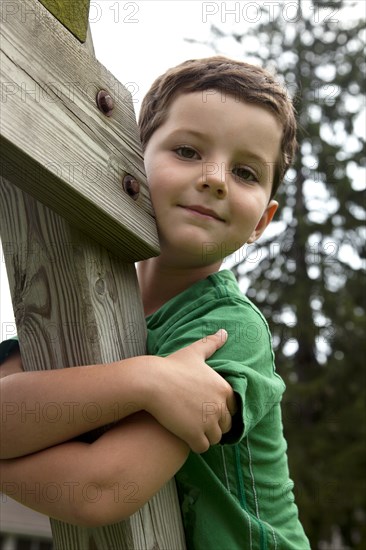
(101, 483)
(44, 408)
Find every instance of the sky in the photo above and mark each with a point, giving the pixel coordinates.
(139, 40)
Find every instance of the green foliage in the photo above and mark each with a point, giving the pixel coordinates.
(309, 280)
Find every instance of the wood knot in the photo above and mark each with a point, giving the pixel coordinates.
(100, 286)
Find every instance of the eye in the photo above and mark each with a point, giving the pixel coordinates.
(244, 173)
(186, 152)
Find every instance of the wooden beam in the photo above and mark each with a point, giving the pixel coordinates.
(73, 14)
(75, 303)
(50, 81)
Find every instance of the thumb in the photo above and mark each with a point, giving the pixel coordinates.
(213, 342)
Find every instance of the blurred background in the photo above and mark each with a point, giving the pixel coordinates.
(306, 274)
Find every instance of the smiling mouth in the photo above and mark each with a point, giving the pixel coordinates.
(203, 212)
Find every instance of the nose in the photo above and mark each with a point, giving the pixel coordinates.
(213, 178)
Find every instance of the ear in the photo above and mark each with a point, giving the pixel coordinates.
(265, 220)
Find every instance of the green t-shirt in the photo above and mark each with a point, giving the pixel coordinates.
(237, 495)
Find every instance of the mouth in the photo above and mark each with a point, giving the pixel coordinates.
(203, 212)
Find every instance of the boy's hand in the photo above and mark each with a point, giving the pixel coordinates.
(189, 398)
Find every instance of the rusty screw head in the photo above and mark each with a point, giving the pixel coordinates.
(131, 186)
(105, 102)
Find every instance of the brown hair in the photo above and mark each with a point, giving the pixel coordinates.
(241, 80)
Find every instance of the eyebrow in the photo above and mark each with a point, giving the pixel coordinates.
(195, 133)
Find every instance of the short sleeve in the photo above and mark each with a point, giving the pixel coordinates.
(246, 360)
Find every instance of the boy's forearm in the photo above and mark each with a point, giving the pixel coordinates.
(44, 408)
(41, 409)
(101, 483)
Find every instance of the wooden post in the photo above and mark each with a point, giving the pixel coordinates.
(70, 233)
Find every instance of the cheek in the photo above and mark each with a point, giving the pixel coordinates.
(155, 171)
(159, 194)
(163, 182)
(158, 191)
(247, 213)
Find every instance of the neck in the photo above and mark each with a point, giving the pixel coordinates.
(160, 281)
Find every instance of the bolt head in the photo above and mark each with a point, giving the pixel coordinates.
(131, 186)
(105, 102)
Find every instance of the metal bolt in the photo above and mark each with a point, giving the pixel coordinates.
(131, 186)
(105, 102)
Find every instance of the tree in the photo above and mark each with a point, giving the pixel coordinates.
(307, 275)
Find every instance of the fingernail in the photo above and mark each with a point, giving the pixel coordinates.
(222, 332)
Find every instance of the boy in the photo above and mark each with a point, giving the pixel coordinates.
(218, 136)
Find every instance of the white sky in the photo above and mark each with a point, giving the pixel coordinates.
(139, 40)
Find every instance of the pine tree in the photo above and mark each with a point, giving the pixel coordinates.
(307, 276)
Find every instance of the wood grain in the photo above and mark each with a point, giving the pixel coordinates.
(49, 82)
(70, 234)
(76, 303)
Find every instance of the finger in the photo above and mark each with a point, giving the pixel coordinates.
(215, 434)
(200, 445)
(225, 421)
(213, 342)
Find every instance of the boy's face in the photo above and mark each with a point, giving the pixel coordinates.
(210, 169)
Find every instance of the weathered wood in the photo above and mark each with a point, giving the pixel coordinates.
(73, 14)
(75, 303)
(56, 144)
